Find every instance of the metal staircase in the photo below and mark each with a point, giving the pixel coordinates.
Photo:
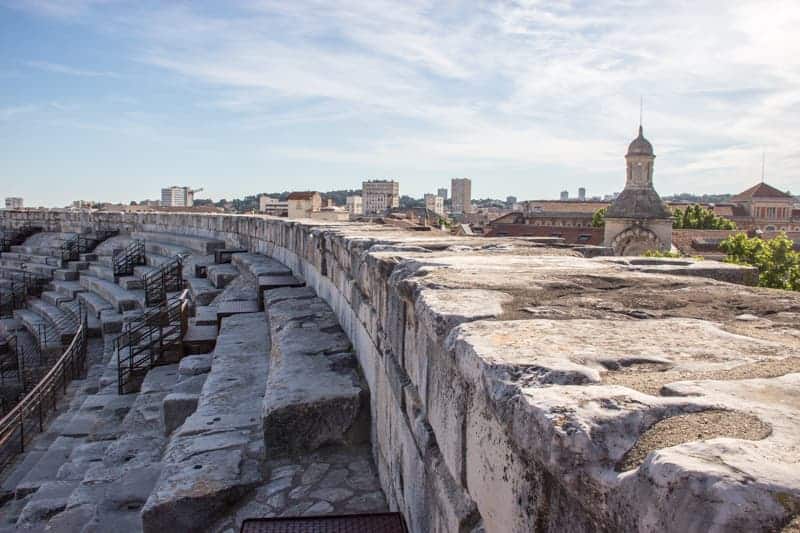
(155, 339)
(33, 284)
(168, 278)
(132, 255)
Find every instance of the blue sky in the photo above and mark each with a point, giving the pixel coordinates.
(111, 100)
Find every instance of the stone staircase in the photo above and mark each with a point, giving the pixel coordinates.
(223, 435)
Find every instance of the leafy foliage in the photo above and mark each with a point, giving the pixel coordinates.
(659, 253)
(778, 264)
(599, 218)
(693, 217)
(698, 217)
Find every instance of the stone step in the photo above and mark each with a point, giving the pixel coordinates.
(64, 274)
(315, 393)
(221, 275)
(196, 244)
(111, 491)
(201, 291)
(268, 282)
(142, 271)
(105, 260)
(165, 249)
(155, 260)
(259, 265)
(78, 266)
(121, 299)
(90, 257)
(42, 331)
(30, 258)
(60, 321)
(47, 466)
(222, 440)
(102, 272)
(235, 307)
(36, 268)
(94, 303)
(205, 316)
(70, 289)
(54, 298)
(199, 339)
(130, 283)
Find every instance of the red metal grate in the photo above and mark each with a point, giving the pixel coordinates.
(357, 523)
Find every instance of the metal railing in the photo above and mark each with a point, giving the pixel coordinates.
(28, 416)
(69, 251)
(87, 243)
(34, 283)
(168, 278)
(131, 256)
(12, 362)
(145, 344)
(12, 297)
(14, 237)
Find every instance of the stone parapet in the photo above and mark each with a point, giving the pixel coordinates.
(517, 387)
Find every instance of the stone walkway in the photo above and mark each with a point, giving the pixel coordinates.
(335, 480)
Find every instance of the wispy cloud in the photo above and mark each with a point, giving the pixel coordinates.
(550, 86)
(70, 71)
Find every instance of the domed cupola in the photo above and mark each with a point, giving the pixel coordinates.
(640, 145)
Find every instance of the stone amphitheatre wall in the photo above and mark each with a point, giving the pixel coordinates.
(480, 420)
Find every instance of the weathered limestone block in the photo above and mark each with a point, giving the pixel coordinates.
(315, 395)
(215, 457)
(177, 407)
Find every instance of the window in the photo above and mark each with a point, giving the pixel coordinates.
(770, 212)
(584, 238)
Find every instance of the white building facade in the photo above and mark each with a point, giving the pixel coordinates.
(380, 195)
(177, 197)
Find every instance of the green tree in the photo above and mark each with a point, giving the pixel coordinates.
(777, 262)
(599, 218)
(698, 217)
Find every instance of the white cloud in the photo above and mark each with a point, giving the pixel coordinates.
(530, 83)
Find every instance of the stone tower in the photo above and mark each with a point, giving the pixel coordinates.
(638, 220)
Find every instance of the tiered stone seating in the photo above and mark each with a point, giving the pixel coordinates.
(200, 245)
(121, 299)
(62, 323)
(44, 333)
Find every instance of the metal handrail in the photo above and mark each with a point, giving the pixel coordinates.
(140, 347)
(168, 277)
(131, 256)
(36, 403)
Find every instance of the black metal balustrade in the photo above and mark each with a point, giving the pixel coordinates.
(126, 259)
(151, 341)
(28, 416)
(168, 278)
(87, 243)
(17, 236)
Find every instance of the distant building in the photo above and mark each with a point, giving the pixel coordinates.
(177, 197)
(582, 194)
(355, 205)
(511, 200)
(564, 196)
(303, 204)
(638, 220)
(380, 195)
(763, 207)
(461, 194)
(272, 206)
(331, 214)
(14, 202)
(435, 203)
(442, 193)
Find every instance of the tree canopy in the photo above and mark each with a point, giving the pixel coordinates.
(778, 264)
(693, 217)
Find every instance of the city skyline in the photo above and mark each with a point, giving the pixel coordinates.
(111, 100)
